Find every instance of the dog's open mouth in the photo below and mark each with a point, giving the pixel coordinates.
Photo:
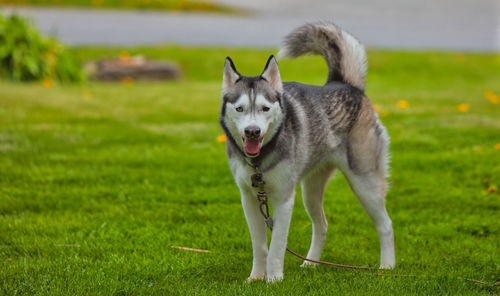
(252, 146)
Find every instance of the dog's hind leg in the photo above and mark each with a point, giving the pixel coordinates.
(313, 189)
(370, 190)
(366, 171)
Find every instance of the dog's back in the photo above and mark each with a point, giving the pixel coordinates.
(338, 115)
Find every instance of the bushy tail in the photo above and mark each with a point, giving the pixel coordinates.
(344, 54)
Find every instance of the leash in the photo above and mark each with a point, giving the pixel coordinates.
(258, 182)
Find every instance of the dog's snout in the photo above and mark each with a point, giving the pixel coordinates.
(252, 131)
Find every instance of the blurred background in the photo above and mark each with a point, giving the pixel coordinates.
(427, 24)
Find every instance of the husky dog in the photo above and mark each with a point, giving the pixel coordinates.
(301, 133)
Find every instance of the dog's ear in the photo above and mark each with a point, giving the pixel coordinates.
(230, 75)
(271, 73)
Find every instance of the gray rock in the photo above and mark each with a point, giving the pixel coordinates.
(137, 68)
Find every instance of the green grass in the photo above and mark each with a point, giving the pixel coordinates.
(98, 181)
(174, 5)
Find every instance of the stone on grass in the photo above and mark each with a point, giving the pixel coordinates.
(137, 68)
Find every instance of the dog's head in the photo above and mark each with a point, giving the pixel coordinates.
(251, 106)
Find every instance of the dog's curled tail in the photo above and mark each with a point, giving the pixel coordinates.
(344, 54)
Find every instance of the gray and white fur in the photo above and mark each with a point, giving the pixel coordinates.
(302, 133)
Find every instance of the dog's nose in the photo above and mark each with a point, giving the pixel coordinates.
(252, 131)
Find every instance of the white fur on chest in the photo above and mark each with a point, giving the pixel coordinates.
(277, 179)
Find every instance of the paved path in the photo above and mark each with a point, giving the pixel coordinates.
(416, 24)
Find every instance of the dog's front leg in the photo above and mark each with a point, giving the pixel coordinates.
(282, 214)
(257, 228)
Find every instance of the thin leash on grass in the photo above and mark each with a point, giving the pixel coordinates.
(258, 182)
(353, 267)
(377, 274)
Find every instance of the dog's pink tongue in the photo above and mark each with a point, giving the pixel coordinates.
(252, 146)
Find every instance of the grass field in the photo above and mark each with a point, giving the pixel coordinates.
(98, 181)
(175, 5)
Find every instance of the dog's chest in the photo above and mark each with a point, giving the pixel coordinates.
(276, 179)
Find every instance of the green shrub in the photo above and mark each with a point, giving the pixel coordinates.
(25, 55)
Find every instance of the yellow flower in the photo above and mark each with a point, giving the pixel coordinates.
(128, 81)
(492, 97)
(403, 104)
(87, 95)
(124, 56)
(497, 146)
(48, 83)
(490, 189)
(384, 113)
(463, 107)
(376, 107)
(221, 138)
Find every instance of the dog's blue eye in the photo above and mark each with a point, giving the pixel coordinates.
(265, 109)
(239, 109)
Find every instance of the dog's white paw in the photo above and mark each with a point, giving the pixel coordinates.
(308, 264)
(386, 266)
(257, 277)
(274, 278)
